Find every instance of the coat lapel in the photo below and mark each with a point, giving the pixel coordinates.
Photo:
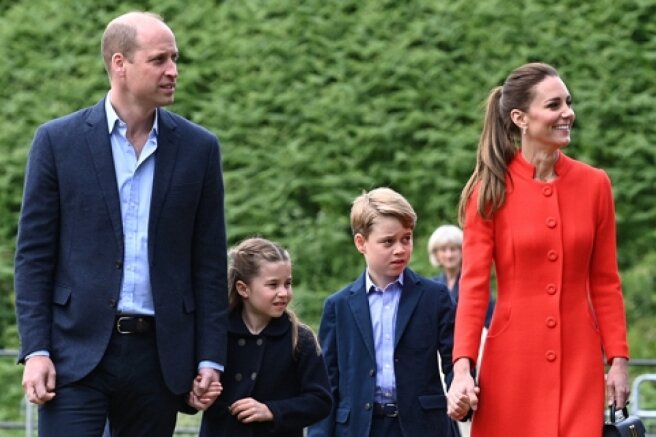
(359, 305)
(407, 304)
(100, 147)
(165, 158)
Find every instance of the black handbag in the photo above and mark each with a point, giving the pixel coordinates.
(629, 426)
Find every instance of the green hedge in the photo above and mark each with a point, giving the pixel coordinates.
(315, 101)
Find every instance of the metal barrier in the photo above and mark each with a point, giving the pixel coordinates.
(29, 425)
(635, 396)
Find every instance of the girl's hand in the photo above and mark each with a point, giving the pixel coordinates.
(249, 410)
(204, 401)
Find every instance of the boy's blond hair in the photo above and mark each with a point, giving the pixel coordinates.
(380, 202)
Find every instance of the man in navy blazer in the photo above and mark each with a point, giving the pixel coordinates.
(381, 334)
(120, 277)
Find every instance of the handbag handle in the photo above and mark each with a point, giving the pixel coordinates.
(625, 412)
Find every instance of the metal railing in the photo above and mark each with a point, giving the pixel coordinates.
(644, 413)
(30, 422)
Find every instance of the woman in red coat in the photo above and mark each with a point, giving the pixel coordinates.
(547, 224)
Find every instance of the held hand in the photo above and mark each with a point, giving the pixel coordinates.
(617, 383)
(204, 392)
(249, 410)
(203, 402)
(39, 379)
(463, 393)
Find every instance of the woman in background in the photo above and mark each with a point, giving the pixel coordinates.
(445, 252)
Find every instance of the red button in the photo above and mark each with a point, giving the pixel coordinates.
(550, 356)
(551, 288)
(552, 255)
(551, 222)
(547, 191)
(551, 322)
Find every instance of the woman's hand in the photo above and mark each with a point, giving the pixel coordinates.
(463, 393)
(249, 410)
(617, 383)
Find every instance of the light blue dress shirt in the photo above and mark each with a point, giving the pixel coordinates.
(383, 307)
(134, 177)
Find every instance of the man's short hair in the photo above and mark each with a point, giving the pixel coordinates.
(120, 36)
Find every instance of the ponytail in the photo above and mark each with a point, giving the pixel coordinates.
(500, 139)
(496, 148)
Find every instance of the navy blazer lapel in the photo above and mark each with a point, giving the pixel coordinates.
(165, 157)
(359, 304)
(407, 304)
(100, 147)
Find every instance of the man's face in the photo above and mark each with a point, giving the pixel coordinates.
(151, 74)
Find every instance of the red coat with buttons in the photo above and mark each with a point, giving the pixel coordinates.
(559, 303)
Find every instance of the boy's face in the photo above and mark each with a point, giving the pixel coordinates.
(387, 250)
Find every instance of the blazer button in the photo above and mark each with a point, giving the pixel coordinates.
(253, 376)
(241, 342)
(550, 356)
(547, 191)
(372, 372)
(259, 342)
(551, 288)
(112, 303)
(367, 406)
(238, 377)
(551, 222)
(118, 265)
(552, 255)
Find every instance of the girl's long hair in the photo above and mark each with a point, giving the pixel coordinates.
(244, 263)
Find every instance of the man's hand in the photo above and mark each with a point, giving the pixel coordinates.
(203, 402)
(39, 379)
(205, 389)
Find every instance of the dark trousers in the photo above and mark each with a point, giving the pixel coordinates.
(127, 386)
(383, 426)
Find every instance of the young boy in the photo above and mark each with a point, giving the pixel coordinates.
(381, 334)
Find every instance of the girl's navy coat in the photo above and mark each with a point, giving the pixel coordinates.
(294, 386)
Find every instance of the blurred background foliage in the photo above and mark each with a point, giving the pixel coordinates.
(315, 101)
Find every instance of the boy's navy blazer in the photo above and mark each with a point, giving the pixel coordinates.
(69, 258)
(424, 327)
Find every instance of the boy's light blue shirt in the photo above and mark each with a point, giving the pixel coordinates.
(383, 307)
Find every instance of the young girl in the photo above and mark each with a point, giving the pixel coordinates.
(275, 381)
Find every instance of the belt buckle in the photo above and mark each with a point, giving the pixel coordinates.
(393, 407)
(118, 325)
